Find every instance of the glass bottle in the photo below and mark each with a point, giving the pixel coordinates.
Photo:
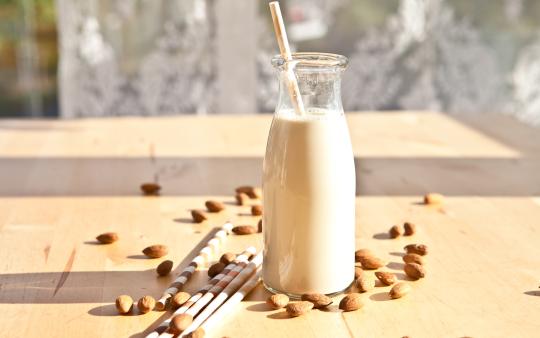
(309, 183)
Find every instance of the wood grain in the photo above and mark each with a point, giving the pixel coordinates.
(64, 182)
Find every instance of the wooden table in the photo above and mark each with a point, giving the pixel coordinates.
(64, 182)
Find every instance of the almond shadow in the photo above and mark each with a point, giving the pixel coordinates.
(380, 297)
(279, 315)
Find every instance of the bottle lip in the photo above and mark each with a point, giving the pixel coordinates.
(315, 61)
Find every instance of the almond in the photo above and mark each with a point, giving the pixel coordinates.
(358, 272)
(227, 258)
(415, 271)
(413, 258)
(394, 232)
(107, 238)
(259, 226)
(198, 216)
(244, 230)
(351, 302)
(215, 269)
(180, 322)
(365, 284)
(433, 198)
(124, 304)
(299, 308)
(362, 253)
(387, 278)
(277, 301)
(250, 191)
(156, 251)
(242, 199)
(257, 210)
(198, 333)
(410, 228)
(399, 290)
(319, 300)
(164, 268)
(150, 189)
(179, 299)
(214, 206)
(146, 304)
(419, 249)
(371, 263)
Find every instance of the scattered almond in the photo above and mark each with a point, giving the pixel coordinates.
(227, 258)
(358, 272)
(387, 278)
(419, 249)
(124, 304)
(395, 232)
(277, 301)
(299, 308)
(413, 258)
(259, 226)
(365, 283)
(156, 251)
(351, 302)
(319, 300)
(179, 299)
(242, 199)
(257, 210)
(250, 191)
(371, 262)
(415, 271)
(433, 198)
(198, 216)
(362, 253)
(410, 228)
(198, 333)
(107, 238)
(150, 189)
(244, 230)
(214, 206)
(180, 322)
(164, 268)
(399, 290)
(146, 304)
(215, 269)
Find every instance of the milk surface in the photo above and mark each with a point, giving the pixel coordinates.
(309, 201)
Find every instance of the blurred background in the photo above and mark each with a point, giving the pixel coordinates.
(77, 58)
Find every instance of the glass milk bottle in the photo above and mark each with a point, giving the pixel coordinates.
(309, 183)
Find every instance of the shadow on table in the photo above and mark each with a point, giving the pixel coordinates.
(22, 177)
(94, 286)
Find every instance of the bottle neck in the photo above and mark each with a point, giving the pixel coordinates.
(319, 90)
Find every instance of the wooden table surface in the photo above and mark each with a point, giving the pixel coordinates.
(64, 182)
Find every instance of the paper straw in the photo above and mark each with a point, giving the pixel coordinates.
(285, 50)
(234, 285)
(215, 290)
(212, 246)
(196, 297)
(235, 299)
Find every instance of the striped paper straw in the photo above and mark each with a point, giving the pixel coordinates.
(196, 297)
(212, 246)
(226, 308)
(234, 285)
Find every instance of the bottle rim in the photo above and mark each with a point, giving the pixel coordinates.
(315, 61)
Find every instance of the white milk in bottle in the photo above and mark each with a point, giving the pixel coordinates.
(309, 188)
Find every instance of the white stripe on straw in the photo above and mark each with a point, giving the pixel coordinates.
(226, 293)
(212, 246)
(195, 298)
(285, 50)
(235, 299)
